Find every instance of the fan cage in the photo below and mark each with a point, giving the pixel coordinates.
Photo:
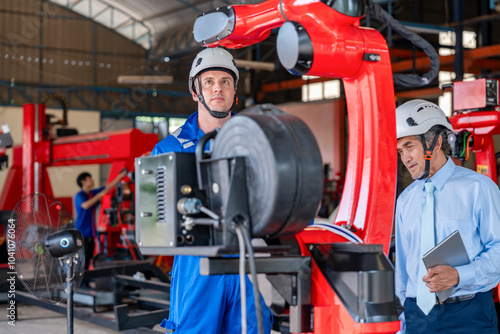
(36, 216)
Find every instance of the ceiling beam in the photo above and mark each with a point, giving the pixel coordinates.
(74, 3)
(423, 63)
(401, 53)
(475, 62)
(421, 93)
(171, 11)
(290, 84)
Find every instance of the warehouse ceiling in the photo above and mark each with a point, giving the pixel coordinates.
(164, 27)
(82, 48)
(161, 26)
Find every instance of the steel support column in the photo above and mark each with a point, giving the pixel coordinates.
(458, 14)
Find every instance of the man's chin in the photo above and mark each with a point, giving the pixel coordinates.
(416, 176)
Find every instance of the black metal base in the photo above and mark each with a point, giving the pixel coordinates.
(149, 312)
(132, 324)
(289, 275)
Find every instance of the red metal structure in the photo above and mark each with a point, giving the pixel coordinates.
(476, 111)
(360, 56)
(28, 173)
(483, 125)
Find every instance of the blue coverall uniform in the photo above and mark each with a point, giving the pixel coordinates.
(85, 222)
(85, 217)
(204, 304)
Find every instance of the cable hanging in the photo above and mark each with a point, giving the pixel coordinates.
(408, 80)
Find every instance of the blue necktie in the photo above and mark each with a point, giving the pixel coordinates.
(425, 299)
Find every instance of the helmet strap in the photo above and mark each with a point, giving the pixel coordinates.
(428, 153)
(216, 114)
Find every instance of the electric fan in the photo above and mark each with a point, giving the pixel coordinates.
(49, 257)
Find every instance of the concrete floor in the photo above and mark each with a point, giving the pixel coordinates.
(36, 320)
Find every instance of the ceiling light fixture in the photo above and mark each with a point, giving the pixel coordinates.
(146, 79)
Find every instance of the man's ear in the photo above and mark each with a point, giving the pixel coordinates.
(193, 91)
(439, 142)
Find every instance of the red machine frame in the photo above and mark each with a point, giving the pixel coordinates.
(483, 125)
(367, 205)
(39, 152)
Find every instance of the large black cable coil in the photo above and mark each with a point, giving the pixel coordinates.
(284, 168)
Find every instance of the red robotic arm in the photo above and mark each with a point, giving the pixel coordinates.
(323, 38)
(309, 29)
(320, 40)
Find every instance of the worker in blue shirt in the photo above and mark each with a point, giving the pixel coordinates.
(463, 200)
(85, 203)
(207, 304)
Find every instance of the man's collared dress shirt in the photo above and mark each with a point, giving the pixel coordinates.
(465, 201)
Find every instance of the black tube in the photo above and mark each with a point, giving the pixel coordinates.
(409, 80)
(200, 155)
(69, 301)
(253, 271)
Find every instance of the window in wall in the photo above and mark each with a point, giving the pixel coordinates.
(320, 90)
(156, 125)
(447, 39)
(147, 122)
(174, 123)
(445, 100)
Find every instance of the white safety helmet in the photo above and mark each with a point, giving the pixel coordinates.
(213, 59)
(416, 117)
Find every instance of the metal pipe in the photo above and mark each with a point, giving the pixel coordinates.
(477, 19)
(36, 169)
(459, 47)
(484, 36)
(69, 293)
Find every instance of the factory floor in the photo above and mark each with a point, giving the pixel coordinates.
(36, 320)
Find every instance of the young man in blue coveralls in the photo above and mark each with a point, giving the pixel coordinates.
(207, 304)
(85, 203)
(459, 199)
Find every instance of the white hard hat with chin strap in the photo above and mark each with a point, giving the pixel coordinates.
(212, 59)
(415, 118)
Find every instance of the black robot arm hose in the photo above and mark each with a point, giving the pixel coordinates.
(408, 80)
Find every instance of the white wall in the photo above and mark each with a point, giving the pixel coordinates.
(63, 179)
(326, 121)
